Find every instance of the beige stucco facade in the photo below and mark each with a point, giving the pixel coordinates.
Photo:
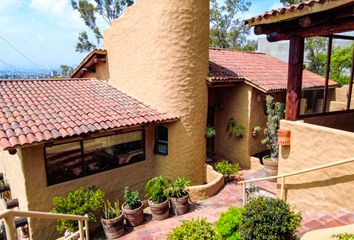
(158, 53)
(311, 146)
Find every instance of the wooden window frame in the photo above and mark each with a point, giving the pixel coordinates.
(327, 78)
(160, 142)
(83, 155)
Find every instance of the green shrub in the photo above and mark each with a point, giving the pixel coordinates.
(79, 202)
(195, 229)
(343, 236)
(269, 219)
(155, 189)
(111, 212)
(210, 132)
(132, 198)
(227, 227)
(226, 168)
(177, 188)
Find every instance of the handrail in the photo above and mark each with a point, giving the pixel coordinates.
(282, 176)
(9, 215)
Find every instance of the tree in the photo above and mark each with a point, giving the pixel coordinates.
(66, 70)
(289, 2)
(89, 11)
(316, 55)
(227, 31)
(341, 62)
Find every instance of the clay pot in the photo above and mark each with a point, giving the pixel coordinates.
(270, 168)
(133, 217)
(180, 206)
(113, 228)
(159, 211)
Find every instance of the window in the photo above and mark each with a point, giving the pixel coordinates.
(161, 140)
(77, 159)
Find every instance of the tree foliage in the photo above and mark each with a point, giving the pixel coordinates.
(89, 11)
(316, 55)
(65, 70)
(341, 62)
(289, 2)
(226, 30)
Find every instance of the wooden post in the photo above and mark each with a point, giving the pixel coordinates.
(296, 62)
(10, 228)
(350, 83)
(328, 70)
(87, 231)
(81, 229)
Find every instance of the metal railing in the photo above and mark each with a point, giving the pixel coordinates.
(10, 215)
(283, 176)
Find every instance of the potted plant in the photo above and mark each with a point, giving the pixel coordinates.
(275, 111)
(78, 202)
(210, 132)
(155, 190)
(256, 131)
(113, 220)
(179, 197)
(132, 208)
(227, 169)
(235, 129)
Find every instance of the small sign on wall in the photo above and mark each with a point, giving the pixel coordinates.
(284, 137)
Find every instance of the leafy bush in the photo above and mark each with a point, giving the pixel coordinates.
(155, 189)
(275, 111)
(210, 132)
(198, 229)
(269, 219)
(109, 211)
(227, 227)
(132, 198)
(343, 236)
(235, 129)
(177, 188)
(79, 202)
(226, 168)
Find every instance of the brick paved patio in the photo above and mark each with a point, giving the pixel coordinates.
(230, 195)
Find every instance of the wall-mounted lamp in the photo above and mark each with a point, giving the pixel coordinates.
(284, 137)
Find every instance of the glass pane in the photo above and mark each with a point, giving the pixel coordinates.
(105, 153)
(64, 162)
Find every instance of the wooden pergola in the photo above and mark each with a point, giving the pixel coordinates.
(325, 18)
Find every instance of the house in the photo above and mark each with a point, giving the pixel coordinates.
(237, 85)
(322, 139)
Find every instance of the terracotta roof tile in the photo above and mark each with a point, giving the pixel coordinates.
(46, 109)
(263, 71)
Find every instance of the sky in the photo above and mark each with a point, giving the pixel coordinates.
(46, 31)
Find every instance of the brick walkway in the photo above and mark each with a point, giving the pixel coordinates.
(230, 195)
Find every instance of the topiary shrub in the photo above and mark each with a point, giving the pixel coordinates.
(227, 169)
(227, 227)
(269, 219)
(195, 229)
(79, 202)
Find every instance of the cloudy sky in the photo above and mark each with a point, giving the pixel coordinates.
(46, 31)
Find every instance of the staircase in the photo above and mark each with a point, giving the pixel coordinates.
(10, 203)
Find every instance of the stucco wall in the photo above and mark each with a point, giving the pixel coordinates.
(11, 166)
(111, 182)
(158, 53)
(257, 118)
(233, 103)
(311, 145)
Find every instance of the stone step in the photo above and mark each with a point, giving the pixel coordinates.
(4, 188)
(21, 222)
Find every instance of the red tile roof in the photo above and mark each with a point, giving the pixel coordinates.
(33, 111)
(295, 10)
(86, 61)
(262, 71)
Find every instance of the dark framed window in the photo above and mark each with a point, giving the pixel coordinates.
(73, 160)
(161, 140)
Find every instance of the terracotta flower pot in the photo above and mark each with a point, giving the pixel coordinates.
(133, 217)
(180, 205)
(159, 211)
(113, 228)
(270, 168)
